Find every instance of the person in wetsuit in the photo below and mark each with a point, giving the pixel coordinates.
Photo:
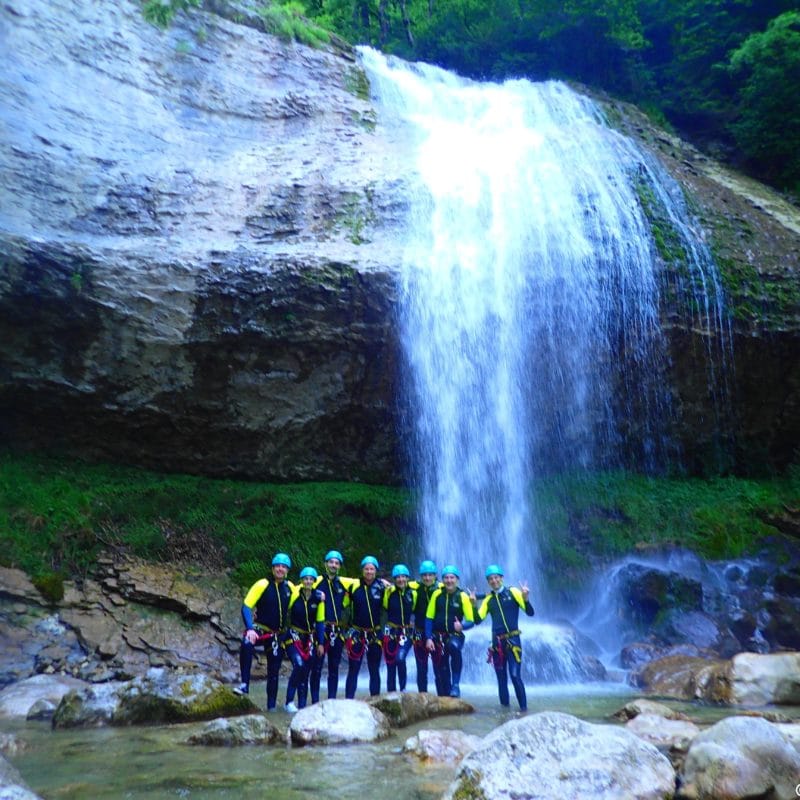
(399, 602)
(425, 587)
(264, 614)
(305, 630)
(504, 604)
(364, 633)
(449, 614)
(337, 598)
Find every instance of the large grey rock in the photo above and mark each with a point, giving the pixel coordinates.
(440, 746)
(19, 698)
(791, 732)
(338, 722)
(250, 729)
(738, 758)
(663, 733)
(765, 679)
(159, 696)
(552, 756)
(405, 708)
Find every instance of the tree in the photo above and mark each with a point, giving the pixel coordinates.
(768, 125)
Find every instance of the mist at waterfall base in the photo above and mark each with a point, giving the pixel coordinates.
(531, 321)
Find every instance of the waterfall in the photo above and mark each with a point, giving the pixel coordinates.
(531, 317)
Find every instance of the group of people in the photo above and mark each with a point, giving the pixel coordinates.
(326, 616)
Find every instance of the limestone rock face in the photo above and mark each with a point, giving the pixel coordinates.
(739, 757)
(196, 246)
(200, 236)
(128, 617)
(554, 755)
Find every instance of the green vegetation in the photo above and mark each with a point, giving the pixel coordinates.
(50, 586)
(722, 71)
(288, 22)
(57, 516)
(601, 516)
(161, 12)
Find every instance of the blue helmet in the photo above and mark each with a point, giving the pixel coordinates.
(308, 572)
(282, 558)
(333, 554)
(494, 569)
(369, 560)
(449, 569)
(427, 566)
(400, 569)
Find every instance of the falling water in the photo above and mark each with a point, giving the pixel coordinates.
(530, 314)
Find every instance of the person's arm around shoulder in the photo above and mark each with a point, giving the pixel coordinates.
(469, 614)
(481, 609)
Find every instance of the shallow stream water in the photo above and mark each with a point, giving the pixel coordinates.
(153, 762)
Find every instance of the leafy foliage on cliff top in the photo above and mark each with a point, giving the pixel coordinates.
(723, 71)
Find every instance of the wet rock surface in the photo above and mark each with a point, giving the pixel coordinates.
(338, 722)
(252, 729)
(200, 238)
(679, 605)
(405, 708)
(12, 786)
(159, 696)
(554, 755)
(128, 617)
(739, 757)
(440, 746)
(196, 246)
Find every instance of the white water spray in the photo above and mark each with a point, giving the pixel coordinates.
(530, 314)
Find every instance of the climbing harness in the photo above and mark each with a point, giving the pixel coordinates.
(439, 643)
(394, 637)
(355, 644)
(266, 638)
(302, 643)
(497, 653)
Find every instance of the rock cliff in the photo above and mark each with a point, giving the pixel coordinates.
(199, 254)
(195, 246)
